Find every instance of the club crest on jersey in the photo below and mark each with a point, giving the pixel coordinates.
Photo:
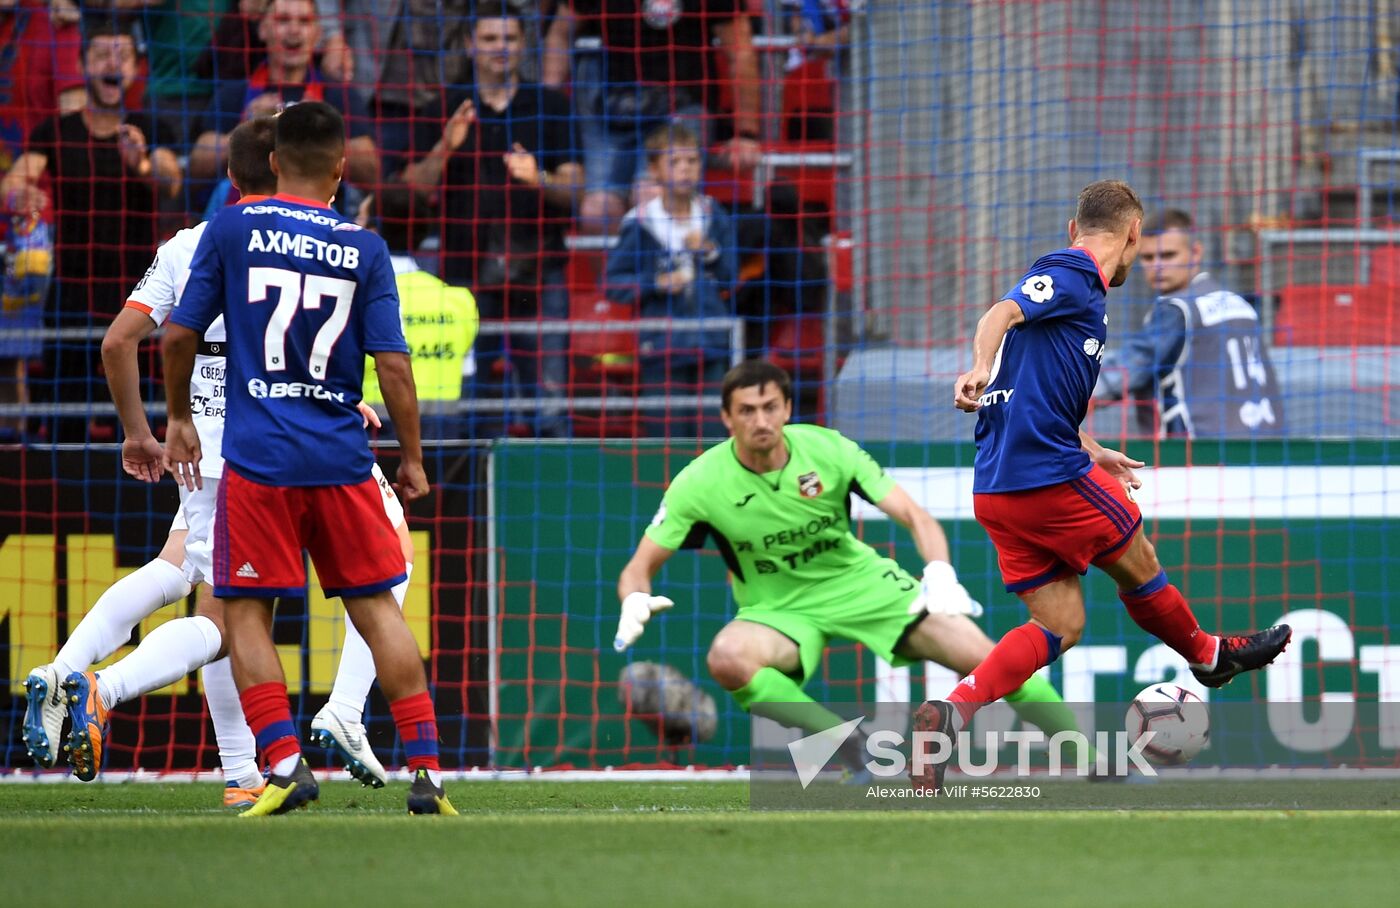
(809, 484)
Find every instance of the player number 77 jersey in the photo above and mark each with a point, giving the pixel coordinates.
(305, 296)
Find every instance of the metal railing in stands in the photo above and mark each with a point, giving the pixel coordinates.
(760, 42)
(1365, 189)
(733, 325)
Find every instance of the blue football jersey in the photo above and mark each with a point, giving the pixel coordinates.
(305, 295)
(1042, 378)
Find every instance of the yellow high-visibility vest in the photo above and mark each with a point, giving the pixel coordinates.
(440, 322)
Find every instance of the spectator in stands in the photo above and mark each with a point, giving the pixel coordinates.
(508, 164)
(659, 66)
(40, 72)
(40, 76)
(1201, 353)
(439, 321)
(675, 258)
(108, 168)
(237, 48)
(177, 34)
(291, 30)
(405, 52)
(822, 29)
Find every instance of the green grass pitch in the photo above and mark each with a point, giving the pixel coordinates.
(669, 844)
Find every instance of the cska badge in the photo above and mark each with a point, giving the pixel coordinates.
(809, 484)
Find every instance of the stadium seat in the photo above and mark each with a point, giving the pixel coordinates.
(1335, 315)
(1385, 265)
(602, 355)
(797, 343)
(602, 363)
(584, 270)
(809, 101)
(840, 266)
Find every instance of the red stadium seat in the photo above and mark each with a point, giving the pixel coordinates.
(815, 184)
(840, 264)
(602, 363)
(797, 343)
(807, 89)
(1385, 265)
(1338, 316)
(584, 270)
(602, 355)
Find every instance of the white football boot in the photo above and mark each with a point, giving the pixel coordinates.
(350, 744)
(44, 712)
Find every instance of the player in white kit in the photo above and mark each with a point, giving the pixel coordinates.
(66, 687)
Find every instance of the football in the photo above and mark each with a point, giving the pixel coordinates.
(672, 705)
(1178, 719)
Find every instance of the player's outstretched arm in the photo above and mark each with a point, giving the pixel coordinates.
(182, 452)
(395, 372)
(634, 590)
(142, 456)
(940, 592)
(991, 329)
(929, 537)
(1119, 465)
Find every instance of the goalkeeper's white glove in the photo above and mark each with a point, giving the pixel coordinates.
(637, 610)
(940, 593)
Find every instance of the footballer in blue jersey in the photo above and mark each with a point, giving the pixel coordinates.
(305, 296)
(314, 293)
(1052, 500)
(1043, 376)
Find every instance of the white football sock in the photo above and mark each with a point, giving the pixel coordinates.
(169, 653)
(355, 675)
(1214, 659)
(108, 624)
(238, 749)
(287, 765)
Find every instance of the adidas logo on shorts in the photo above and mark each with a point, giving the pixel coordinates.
(247, 571)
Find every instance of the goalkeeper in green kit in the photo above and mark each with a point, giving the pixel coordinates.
(776, 500)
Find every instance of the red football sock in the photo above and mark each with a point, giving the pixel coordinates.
(269, 715)
(417, 724)
(1018, 655)
(1159, 608)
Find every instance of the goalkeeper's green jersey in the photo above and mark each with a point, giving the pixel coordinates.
(786, 535)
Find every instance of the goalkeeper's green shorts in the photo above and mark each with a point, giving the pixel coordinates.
(878, 624)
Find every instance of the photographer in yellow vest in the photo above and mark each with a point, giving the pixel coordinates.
(439, 321)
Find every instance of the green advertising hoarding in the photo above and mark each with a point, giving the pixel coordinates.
(1250, 532)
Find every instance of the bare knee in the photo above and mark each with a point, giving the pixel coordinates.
(731, 663)
(1137, 565)
(174, 549)
(206, 606)
(1068, 628)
